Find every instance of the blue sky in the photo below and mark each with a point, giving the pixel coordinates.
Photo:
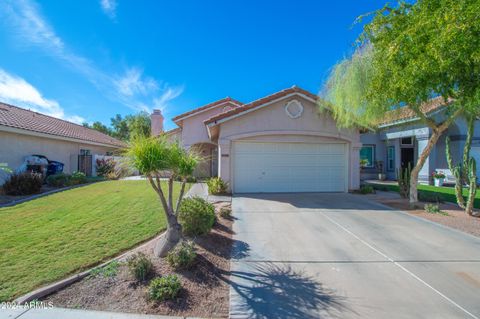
(89, 60)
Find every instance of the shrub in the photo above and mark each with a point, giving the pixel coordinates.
(225, 212)
(367, 189)
(140, 266)
(105, 166)
(182, 256)
(25, 183)
(429, 197)
(434, 209)
(107, 271)
(58, 180)
(216, 186)
(77, 178)
(164, 288)
(196, 216)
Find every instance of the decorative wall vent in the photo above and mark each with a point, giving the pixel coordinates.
(294, 109)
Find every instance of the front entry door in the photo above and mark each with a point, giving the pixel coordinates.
(407, 157)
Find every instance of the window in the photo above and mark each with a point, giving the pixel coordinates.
(367, 156)
(391, 158)
(407, 141)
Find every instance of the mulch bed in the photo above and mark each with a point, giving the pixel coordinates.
(457, 218)
(205, 289)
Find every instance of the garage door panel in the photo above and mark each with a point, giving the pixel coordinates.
(289, 167)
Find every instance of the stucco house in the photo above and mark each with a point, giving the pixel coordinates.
(282, 143)
(279, 143)
(24, 133)
(401, 138)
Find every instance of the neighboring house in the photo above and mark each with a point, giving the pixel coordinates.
(24, 133)
(402, 137)
(279, 143)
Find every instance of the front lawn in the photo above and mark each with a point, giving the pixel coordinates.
(46, 239)
(429, 192)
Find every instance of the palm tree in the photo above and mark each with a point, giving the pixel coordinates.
(153, 157)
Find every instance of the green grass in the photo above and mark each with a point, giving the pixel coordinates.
(48, 238)
(445, 194)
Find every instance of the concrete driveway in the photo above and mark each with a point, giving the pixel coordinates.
(342, 256)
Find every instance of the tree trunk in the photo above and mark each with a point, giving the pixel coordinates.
(171, 238)
(420, 162)
(180, 196)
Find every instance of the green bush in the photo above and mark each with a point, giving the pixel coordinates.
(140, 266)
(367, 189)
(225, 212)
(25, 183)
(77, 178)
(216, 186)
(434, 209)
(58, 180)
(183, 256)
(196, 216)
(429, 197)
(164, 288)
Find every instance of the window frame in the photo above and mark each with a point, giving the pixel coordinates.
(390, 169)
(373, 147)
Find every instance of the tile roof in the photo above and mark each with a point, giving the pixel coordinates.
(259, 102)
(173, 131)
(15, 117)
(205, 107)
(406, 113)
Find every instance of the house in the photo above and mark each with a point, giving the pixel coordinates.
(279, 143)
(24, 133)
(401, 138)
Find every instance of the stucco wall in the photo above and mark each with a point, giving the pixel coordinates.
(14, 147)
(272, 124)
(194, 130)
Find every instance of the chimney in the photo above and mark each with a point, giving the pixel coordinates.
(157, 122)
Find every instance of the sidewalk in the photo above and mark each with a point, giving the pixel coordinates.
(63, 313)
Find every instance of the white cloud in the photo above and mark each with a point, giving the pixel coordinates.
(133, 89)
(15, 90)
(109, 7)
(167, 95)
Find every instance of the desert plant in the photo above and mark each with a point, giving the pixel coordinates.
(77, 178)
(25, 183)
(152, 156)
(107, 271)
(164, 288)
(367, 189)
(225, 212)
(403, 177)
(182, 256)
(216, 186)
(464, 173)
(434, 209)
(140, 266)
(105, 166)
(58, 180)
(196, 216)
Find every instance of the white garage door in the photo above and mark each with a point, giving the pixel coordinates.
(289, 167)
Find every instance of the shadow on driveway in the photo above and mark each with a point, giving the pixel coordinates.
(278, 291)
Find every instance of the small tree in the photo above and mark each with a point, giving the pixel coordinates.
(153, 156)
(408, 54)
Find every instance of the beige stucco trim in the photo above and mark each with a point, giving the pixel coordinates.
(289, 132)
(205, 110)
(50, 136)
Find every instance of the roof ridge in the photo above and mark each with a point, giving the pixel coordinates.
(206, 106)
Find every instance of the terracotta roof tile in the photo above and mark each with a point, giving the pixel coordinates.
(259, 102)
(406, 113)
(199, 109)
(13, 116)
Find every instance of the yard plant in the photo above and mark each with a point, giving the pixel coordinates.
(153, 156)
(25, 183)
(216, 186)
(140, 266)
(182, 256)
(164, 288)
(196, 216)
(47, 239)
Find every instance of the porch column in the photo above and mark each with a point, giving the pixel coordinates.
(224, 154)
(354, 182)
(429, 166)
